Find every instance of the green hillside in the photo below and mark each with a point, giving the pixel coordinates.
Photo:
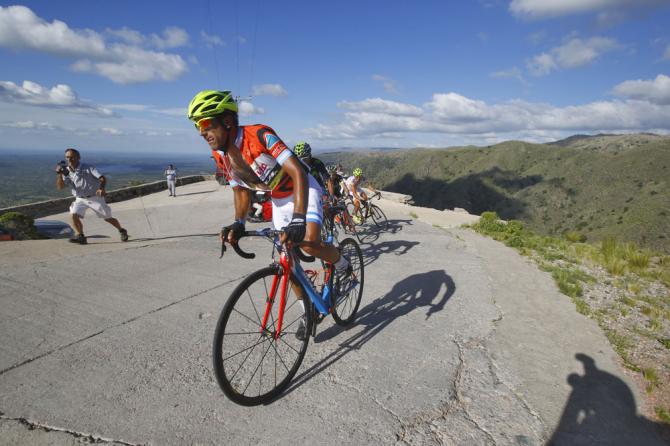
(608, 185)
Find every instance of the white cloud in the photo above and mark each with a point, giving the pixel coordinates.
(175, 111)
(378, 105)
(128, 35)
(542, 9)
(212, 39)
(537, 37)
(61, 96)
(128, 64)
(246, 108)
(513, 73)
(388, 84)
(454, 114)
(21, 29)
(574, 53)
(111, 131)
(31, 125)
(656, 91)
(268, 90)
(541, 64)
(172, 37)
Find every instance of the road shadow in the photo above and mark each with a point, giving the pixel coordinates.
(369, 233)
(372, 252)
(148, 239)
(601, 409)
(196, 193)
(429, 291)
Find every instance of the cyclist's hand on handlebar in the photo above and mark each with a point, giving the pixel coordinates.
(295, 231)
(232, 233)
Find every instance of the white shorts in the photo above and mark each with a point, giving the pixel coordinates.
(351, 194)
(94, 203)
(282, 208)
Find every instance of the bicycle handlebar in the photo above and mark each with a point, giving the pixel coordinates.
(377, 195)
(267, 233)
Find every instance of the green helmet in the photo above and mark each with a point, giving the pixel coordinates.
(211, 103)
(302, 150)
(358, 172)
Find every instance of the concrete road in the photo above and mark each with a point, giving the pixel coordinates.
(459, 340)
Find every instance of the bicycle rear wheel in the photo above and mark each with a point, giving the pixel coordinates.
(251, 365)
(378, 217)
(349, 289)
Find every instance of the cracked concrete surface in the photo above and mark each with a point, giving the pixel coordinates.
(458, 341)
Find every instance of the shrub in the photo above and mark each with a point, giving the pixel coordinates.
(574, 236)
(615, 266)
(637, 259)
(608, 248)
(489, 223)
(21, 226)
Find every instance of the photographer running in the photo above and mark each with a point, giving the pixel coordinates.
(88, 187)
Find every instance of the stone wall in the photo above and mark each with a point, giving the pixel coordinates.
(50, 207)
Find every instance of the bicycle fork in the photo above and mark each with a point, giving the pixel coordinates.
(279, 281)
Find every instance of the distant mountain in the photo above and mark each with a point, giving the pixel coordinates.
(602, 185)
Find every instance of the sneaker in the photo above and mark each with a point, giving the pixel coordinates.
(81, 239)
(124, 235)
(356, 219)
(301, 331)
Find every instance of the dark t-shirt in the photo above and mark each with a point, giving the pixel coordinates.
(318, 170)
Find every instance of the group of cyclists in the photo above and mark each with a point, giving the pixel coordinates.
(253, 157)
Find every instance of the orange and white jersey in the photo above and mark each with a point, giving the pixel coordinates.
(265, 154)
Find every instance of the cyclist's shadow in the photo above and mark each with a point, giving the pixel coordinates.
(370, 234)
(602, 406)
(430, 290)
(398, 247)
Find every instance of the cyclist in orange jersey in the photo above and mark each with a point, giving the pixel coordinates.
(253, 157)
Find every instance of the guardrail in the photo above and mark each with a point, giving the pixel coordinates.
(58, 205)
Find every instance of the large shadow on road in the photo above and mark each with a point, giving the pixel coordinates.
(370, 233)
(396, 247)
(601, 410)
(428, 291)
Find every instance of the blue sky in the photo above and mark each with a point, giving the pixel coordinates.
(117, 76)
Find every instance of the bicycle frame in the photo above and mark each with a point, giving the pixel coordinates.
(286, 263)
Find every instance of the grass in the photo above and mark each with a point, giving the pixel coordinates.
(652, 378)
(663, 414)
(631, 310)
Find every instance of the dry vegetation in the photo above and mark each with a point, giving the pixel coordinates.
(624, 288)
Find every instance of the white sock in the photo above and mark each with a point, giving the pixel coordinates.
(341, 264)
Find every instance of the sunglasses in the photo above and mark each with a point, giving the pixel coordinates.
(205, 124)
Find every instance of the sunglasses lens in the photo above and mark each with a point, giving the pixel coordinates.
(205, 124)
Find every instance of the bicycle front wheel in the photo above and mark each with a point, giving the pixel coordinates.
(378, 217)
(349, 288)
(252, 365)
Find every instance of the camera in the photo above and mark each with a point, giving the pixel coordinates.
(63, 168)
